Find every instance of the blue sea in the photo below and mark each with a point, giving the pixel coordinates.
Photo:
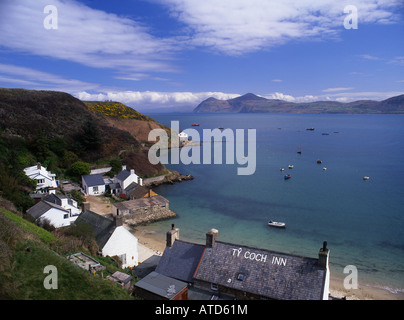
(361, 220)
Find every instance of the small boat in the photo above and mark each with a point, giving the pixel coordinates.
(276, 224)
(319, 161)
(195, 125)
(287, 176)
(324, 168)
(366, 178)
(325, 134)
(282, 169)
(310, 129)
(290, 166)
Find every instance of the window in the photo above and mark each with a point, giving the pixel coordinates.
(40, 181)
(95, 189)
(65, 216)
(214, 286)
(240, 276)
(123, 258)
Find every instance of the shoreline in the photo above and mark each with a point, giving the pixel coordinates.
(155, 242)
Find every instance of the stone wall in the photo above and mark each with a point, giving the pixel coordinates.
(148, 214)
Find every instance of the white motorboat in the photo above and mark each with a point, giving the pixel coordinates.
(366, 178)
(290, 166)
(276, 224)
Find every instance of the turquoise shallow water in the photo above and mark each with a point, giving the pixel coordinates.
(362, 221)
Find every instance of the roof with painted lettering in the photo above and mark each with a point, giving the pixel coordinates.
(180, 260)
(262, 272)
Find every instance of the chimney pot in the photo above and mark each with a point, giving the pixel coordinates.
(172, 235)
(211, 237)
(118, 221)
(86, 206)
(323, 256)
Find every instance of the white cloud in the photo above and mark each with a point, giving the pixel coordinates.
(84, 35)
(340, 96)
(337, 89)
(155, 99)
(36, 79)
(238, 26)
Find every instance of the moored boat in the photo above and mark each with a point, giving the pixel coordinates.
(276, 224)
(287, 176)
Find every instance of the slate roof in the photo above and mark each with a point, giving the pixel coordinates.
(41, 207)
(92, 180)
(181, 260)
(102, 227)
(266, 273)
(121, 176)
(139, 192)
(161, 285)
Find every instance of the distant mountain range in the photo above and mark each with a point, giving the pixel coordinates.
(251, 103)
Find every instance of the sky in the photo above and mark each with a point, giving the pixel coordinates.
(170, 55)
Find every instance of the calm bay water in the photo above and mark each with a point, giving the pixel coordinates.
(362, 221)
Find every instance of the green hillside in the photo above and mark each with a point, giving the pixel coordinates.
(25, 250)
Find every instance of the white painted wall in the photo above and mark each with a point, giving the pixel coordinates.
(122, 242)
(49, 179)
(56, 218)
(90, 190)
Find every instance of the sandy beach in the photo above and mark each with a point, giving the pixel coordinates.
(155, 242)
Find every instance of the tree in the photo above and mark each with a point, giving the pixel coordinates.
(91, 137)
(116, 167)
(79, 168)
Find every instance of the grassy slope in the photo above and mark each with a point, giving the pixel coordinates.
(21, 271)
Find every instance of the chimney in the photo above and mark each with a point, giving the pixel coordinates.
(132, 171)
(86, 206)
(118, 221)
(323, 256)
(123, 167)
(211, 238)
(38, 166)
(172, 235)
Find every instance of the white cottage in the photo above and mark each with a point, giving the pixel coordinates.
(112, 238)
(183, 136)
(56, 215)
(66, 203)
(45, 179)
(93, 184)
(125, 182)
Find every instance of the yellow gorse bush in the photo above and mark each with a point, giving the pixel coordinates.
(116, 109)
